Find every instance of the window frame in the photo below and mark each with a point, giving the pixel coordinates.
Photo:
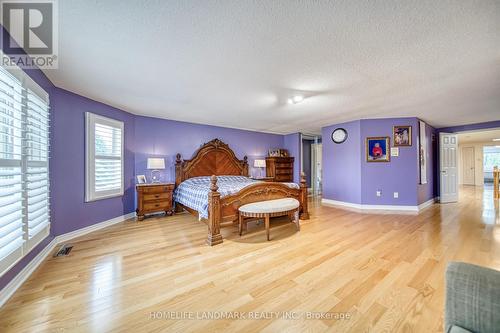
(91, 119)
(29, 86)
(485, 167)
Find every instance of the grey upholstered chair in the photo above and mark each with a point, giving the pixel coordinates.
(472, 299)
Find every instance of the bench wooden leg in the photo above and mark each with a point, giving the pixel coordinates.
(240, 225)
(267, 226)
(297, 220)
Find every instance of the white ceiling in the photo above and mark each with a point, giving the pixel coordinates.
(234, 63)
(480, 136)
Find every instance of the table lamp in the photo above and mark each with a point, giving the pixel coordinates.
(156, 164)
(259, 164)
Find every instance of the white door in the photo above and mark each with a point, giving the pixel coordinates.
(468, 169)
(448, 145)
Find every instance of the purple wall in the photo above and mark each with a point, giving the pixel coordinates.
(165, 138)
(348, 177)
(342, 164)
(292, 142)
(400, 175)
(69, 209)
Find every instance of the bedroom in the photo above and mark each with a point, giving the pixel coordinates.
(243, 89)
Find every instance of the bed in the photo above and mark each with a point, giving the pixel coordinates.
(214, 184)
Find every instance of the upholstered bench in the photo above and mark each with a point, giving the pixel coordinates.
(268, 209)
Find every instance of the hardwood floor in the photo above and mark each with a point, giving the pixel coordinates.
(385, 272)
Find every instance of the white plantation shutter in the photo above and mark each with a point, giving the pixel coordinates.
(21, 225)
(11, 190)
(37, 165)
(104, 157)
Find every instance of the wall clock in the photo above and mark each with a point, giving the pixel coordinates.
(339, 135)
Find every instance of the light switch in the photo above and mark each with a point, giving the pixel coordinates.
(396, 195)
(379, 193)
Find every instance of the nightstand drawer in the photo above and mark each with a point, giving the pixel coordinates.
(157, 205)
(157, 189)
(157, 196)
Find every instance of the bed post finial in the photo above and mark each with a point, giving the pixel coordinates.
(178, 159)
(214, 214)
(245, 166)
(213, 183)
(303, 197)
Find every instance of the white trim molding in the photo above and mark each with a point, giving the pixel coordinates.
(392, 208)
(25, 273)
(94, 227)
(426, 204)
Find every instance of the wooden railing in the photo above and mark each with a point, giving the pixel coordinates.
(496, 176)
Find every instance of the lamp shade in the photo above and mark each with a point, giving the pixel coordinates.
(259, 163)
(156, 163)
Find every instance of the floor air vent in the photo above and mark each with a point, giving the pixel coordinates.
(63, 250)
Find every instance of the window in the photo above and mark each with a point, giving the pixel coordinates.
(24, 166)
(104, 157)
(491, 158)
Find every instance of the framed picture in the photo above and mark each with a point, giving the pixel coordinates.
(423, 152)
(275, 152)
(283, 153)
(141, 179)
(377, 149)
(401, 136)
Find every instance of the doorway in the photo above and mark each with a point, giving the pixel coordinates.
(311, 162)
(478, 152)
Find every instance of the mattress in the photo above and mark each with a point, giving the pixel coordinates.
(193, 192)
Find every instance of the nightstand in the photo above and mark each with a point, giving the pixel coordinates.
(153, 198)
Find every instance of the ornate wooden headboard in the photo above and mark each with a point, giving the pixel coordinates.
(213, 158)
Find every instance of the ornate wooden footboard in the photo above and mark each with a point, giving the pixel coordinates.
(226, 209)
(215, 158)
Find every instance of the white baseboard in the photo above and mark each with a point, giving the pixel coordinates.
(426, 204)
(94, 227)
(19, 279)
(393, 208)
(25, 273)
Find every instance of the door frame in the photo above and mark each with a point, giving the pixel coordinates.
(311, 137)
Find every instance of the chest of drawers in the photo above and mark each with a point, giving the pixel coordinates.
(280, 168)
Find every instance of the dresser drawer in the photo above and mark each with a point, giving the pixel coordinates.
(283, 171)
(283, 178)
(157, 205)
(284, 165)
(157, 196)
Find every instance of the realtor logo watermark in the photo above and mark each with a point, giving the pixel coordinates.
(30, 35)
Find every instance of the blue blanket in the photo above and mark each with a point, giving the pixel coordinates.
(193, 193)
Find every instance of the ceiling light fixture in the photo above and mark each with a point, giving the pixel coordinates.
(295, 99)
(496, 139)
